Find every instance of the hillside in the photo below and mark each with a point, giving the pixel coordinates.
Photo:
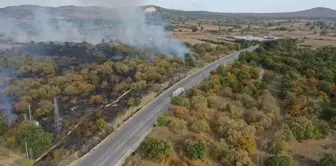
(318, 12)
(27, 11)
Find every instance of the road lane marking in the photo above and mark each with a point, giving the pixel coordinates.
(108, 151)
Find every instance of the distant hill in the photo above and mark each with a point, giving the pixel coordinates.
(27, 11)
(314, 13)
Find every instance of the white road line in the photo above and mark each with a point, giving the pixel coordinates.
(165, 102)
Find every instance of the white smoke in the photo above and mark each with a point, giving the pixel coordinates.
(135, 29)
(129, 26)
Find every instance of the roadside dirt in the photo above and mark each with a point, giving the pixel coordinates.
(10, 158)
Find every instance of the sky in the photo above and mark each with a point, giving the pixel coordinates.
(255, 6)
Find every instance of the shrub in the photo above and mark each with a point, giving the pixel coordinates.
(327, 161)
(155, 150)
(194, 29)
(180, 112)
(196, 149)
(134, 102)
(3, 128)
(97, 100)
(162, 120)
(178, 126)
(279, 161)
(281, 140)
(199, 103)
(58, 154)
(181, 101)
(199, 126)
(303, 128)
(101, 124)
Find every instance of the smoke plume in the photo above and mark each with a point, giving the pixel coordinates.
(123, 20)
(6, 108)
(137, 30)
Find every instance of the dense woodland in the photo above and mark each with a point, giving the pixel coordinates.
(82, 77)
(217, 123)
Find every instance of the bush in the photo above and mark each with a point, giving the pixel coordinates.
(133, 102)
(199, 126)
(162, 120)
(196, 149)
(101, 124)
(97, 100)
(181, 101)
(303, 128)
(178, 126)
(35, 137)
(3, 128)
(194, 29)
(279, 161)
(180, 112)
(328, 161)
(155, 150)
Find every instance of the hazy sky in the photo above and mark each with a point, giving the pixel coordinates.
(209, 5)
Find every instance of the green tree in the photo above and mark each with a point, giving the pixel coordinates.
(162, 120)
(45, 107)
(155, 150)
(189, 60)
(181, 101)
(36, 139)
(196, 149)
(279, 161)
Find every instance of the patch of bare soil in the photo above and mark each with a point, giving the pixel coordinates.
(9, 158)
(319, 43)
(308, 153)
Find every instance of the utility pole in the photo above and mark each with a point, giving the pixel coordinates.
(29, 111)
(57, 117)
(27, 154)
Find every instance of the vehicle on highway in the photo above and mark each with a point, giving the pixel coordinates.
(178, 92)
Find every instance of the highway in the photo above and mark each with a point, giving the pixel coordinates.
(111, 150)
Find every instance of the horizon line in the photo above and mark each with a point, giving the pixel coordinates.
(170, 8)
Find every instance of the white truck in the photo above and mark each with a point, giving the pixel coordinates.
(178, 92)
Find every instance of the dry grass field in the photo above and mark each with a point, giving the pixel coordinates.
(297, 30)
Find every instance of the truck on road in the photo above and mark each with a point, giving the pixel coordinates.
(178, 92)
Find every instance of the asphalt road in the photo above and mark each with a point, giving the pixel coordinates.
(109, 152)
